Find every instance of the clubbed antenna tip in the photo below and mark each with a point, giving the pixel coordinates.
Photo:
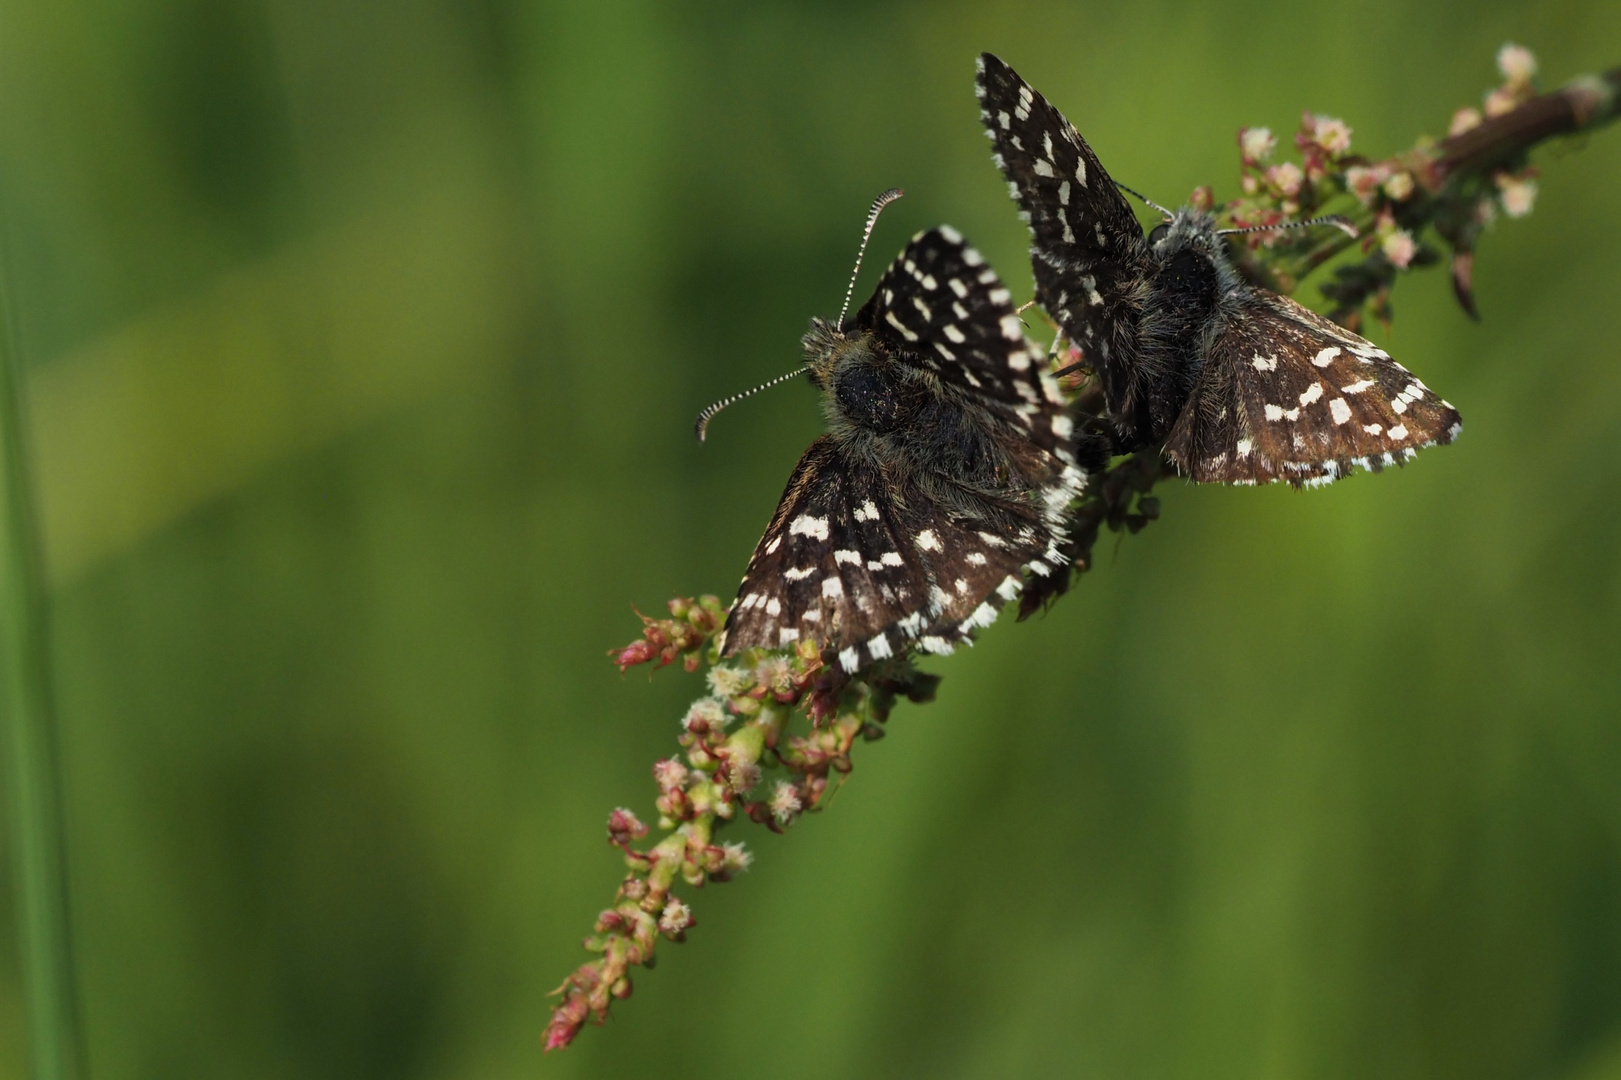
(878, 205)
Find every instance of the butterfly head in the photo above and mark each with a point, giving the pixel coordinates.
(1185, 230)
(863, 386)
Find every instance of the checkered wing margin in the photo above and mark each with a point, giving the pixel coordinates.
(940, 306)
(846, 563)
(1285, 394)
(1088, 251)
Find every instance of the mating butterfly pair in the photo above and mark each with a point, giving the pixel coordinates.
(951, 457)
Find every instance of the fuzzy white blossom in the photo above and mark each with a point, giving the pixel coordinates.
(1518, 196)
(1332, 134)
(1399, 247)
(738, 857)
(785, 802)
(1517, 64)
(1399, 186)
(670, 773)
(741, 776)
(676, 917)
(729, 681)
(1362, 182)
(1257, 144)
(1286, 177)
(712, 711)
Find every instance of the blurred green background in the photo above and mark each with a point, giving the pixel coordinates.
(364, 343)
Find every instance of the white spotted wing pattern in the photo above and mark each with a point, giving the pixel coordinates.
(1238, 384)
(1290, 395)
(944, 480)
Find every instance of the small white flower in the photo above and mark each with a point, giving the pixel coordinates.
(738, 857)
(741, 776)
(1331, 134)
(729, 681)
(785, 802)
(1286, 177)
(774, 672)
(1249, 184)
(1399, 186)
(670, 773)
(1518, 196)
(1464, 119)
(711, 711)
(1399, 247)
(1257, 144)
(1362, 182)
(1517, 64)
(676, 917)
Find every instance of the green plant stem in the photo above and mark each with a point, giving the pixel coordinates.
(40, 871)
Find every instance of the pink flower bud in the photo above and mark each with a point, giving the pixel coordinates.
(567, 1019)
(624, 826)
(1363, 183)
(1286, 177)
(1256, 144)
(1331, 134)
(637, 652)
(1399, 247)
(670, 775)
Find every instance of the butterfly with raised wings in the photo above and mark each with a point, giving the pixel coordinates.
(1240, 384)
(942, 482)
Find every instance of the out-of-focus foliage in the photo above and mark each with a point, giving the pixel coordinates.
(365, 342)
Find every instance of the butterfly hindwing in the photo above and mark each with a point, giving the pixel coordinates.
(1288, 395)
(846, 563)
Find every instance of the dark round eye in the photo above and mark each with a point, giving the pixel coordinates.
(1159, 233)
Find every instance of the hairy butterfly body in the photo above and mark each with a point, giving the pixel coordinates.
(942, 481)
(1240, 384)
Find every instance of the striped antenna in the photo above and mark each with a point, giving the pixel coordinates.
(1146, 199)
(878, 205)
(709, 414)
(1341, 223)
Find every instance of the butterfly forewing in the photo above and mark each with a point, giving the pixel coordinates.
(1087, 252)
(939, 305)
(1288, 395)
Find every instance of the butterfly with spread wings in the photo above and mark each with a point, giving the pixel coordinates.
(943, 480)
(1240, 384)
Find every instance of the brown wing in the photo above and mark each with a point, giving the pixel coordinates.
(1285, 394)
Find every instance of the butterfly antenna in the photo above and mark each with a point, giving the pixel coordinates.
(878, 205)
(708, 414)
(1341, 223)
(1146, 199)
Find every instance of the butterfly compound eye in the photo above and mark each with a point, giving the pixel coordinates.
(1159, 233)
